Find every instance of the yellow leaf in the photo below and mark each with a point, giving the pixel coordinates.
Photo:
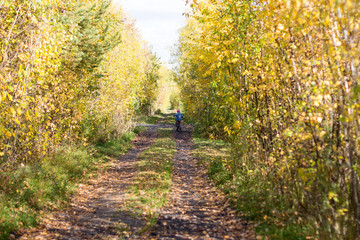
(12, 110)
(332, 195)
(237, 125)
(342, 211)
(7, 134)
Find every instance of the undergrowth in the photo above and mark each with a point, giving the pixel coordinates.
(249, 196)
(33, 190)
(150, 190)
(151, 119)
(162, 118)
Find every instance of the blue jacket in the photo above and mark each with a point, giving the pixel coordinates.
(178, 116)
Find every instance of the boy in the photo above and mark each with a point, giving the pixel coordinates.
(178, 117)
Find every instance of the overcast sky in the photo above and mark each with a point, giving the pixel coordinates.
(158, 22)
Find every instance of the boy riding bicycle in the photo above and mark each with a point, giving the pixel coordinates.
(178, 117)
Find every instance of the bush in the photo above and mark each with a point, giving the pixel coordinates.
(174, 101)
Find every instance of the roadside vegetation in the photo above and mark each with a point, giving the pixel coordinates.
(168, 92)
(160, 117)
(279, 81)
(73, 75)
(253, 204)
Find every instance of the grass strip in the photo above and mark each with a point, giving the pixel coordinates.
(31, 191)
(150, 190)
(215, 155)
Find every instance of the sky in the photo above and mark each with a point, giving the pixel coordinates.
(158, 22)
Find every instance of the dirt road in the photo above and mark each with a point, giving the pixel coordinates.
(196, 210)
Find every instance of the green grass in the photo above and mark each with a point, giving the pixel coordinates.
(248, 195)
(31, 191)
(168, 118)
(163, 118)
(139, 129)
(116, 147)
(148, 119)
(150, 190)
(215, 155)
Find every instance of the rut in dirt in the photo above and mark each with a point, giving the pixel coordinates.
(196, 210)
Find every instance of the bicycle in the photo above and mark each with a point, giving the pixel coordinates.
(178, 126)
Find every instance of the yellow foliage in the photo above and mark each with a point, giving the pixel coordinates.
(279, 80)
(53, 88)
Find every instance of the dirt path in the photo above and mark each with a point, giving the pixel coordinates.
(93, 213)
(197, 210)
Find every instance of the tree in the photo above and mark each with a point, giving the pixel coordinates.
(278, 79)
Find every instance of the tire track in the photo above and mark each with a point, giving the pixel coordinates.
(93, 211)
(197, 210)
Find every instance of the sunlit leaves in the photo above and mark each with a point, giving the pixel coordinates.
(64, 75)
(279, 80)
